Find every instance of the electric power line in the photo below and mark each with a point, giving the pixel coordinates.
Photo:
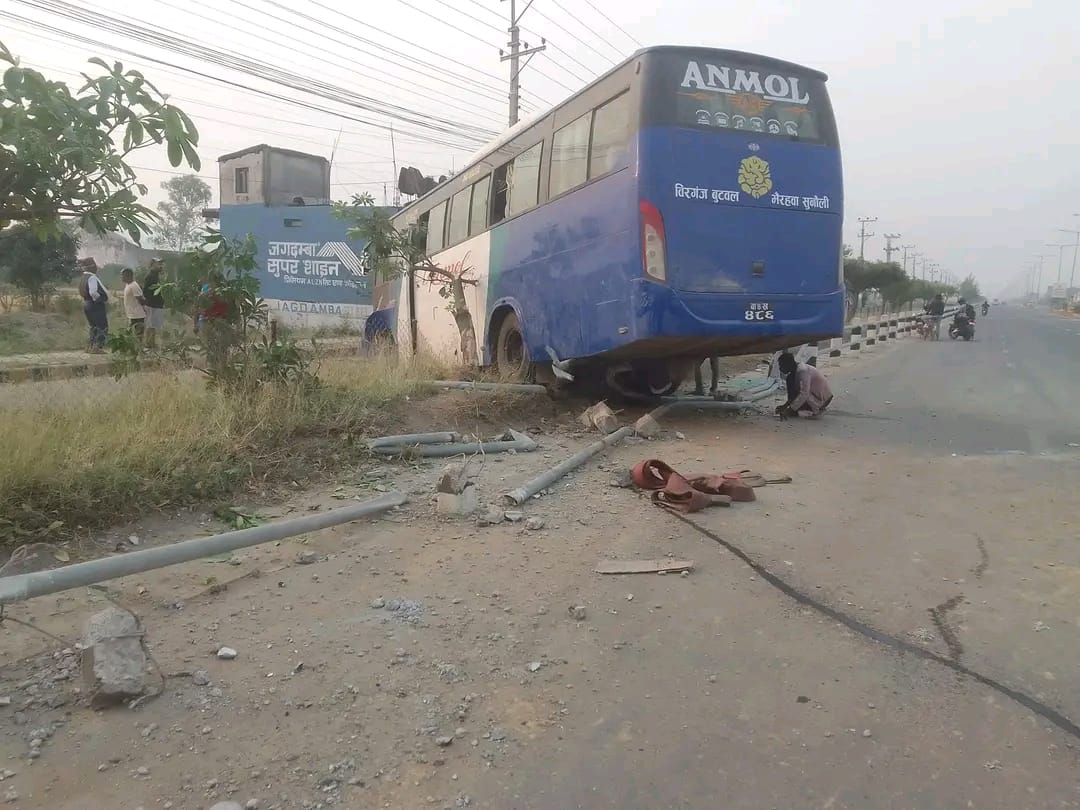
(571, 34)
(580, 22)
(628, 35)
(265, 71)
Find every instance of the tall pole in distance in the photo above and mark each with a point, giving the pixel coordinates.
(1061, 254)
(1075, 247)
(514, 58)
(889, 249)
(1038, 281)
(906, 248)
(863, 236)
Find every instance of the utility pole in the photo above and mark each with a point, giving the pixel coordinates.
(1061, 254)
(914, 265)
(393, 155)
(514, 57)
(889, 249)
(906, 248)
(1038, 282)
(863, 236)
(1075, 247)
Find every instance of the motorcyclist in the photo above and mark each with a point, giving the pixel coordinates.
(964, 312)
(985, 308)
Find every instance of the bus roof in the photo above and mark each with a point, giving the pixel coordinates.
(525, 123)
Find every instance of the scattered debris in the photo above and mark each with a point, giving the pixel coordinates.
(378, 603)
(514, 516)
(622, 481)
(492, 517)
(5, 700)
(307, 557)
(534, 524)
(1040, 626)
(534, 666)
(443, 742)
(642, 566)
(577, 612)
(114, 660)
(601, 417)
(867, 733)
(227, 806)
(227, 654)
(200, 677)
(629, 597)
(647, 427)
(463, 503)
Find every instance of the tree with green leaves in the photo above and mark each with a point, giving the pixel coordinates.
(63, 154)
(34, 264)
(181, 215)
(969, 289)
(403, 252)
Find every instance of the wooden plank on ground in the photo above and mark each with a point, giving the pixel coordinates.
(642, 566)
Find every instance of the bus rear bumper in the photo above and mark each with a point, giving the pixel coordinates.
(669, 323)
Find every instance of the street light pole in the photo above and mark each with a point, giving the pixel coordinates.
(1075, 246)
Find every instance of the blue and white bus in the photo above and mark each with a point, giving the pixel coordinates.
(686, 204)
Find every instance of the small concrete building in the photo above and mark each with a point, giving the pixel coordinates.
(271, 176)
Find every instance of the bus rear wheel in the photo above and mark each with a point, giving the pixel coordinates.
(511, 355)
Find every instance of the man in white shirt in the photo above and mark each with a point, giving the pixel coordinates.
(134, 302)
(95, 305)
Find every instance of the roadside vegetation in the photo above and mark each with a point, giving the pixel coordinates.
(164, 439)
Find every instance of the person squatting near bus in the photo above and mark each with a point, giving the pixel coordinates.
(808, 390)
(95, 305)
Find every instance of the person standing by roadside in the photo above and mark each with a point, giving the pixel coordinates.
(134, 303)
(95, 305)
(155, 304)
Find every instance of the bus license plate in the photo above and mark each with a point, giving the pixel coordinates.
(759, 312)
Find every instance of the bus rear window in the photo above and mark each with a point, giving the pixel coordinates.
(717, 94)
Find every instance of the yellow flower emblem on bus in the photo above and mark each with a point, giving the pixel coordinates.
(754, 177)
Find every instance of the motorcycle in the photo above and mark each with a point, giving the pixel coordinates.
(985, 309)
(962, 327)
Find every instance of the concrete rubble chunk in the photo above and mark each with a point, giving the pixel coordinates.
(114, 662)
(227, 806)
(647, 427)
(462, 503)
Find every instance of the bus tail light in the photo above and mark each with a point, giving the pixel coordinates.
(653, 248)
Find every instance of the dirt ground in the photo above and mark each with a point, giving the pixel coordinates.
(423, 661)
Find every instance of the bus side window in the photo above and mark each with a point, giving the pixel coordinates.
(479, 215)
(610, 131)
(436, 226)
(570, 156)
(524, 181)
(501, 192)
(458, 228)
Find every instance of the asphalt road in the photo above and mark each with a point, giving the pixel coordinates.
(1013, 389)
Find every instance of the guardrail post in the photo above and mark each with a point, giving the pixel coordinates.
(856, 338)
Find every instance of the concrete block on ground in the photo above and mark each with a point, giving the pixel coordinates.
(114, 661)
(460, 503)
(646, 427)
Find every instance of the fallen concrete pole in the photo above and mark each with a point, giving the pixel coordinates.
(518, 496)
(466, 385)
(39, 583)
(410, 439)
(518, 442)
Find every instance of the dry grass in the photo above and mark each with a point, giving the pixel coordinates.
(102, 453)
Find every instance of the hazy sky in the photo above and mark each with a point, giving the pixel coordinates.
(959, 120)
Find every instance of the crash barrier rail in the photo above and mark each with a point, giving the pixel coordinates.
(862, 335)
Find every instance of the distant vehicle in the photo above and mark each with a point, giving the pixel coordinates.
(645, 223)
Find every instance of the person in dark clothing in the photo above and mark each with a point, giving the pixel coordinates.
(936, 310)
(155, 304)
(95, 305)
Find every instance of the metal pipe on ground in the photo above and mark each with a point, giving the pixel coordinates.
(466, 385)
(519, 443)
(40, 583)
(413, 439)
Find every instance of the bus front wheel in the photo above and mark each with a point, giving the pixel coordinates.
(511, 355)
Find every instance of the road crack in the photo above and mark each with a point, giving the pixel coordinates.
(900, 645)
(984, 559)
(941, 622)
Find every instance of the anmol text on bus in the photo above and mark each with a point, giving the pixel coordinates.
(719, 80)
